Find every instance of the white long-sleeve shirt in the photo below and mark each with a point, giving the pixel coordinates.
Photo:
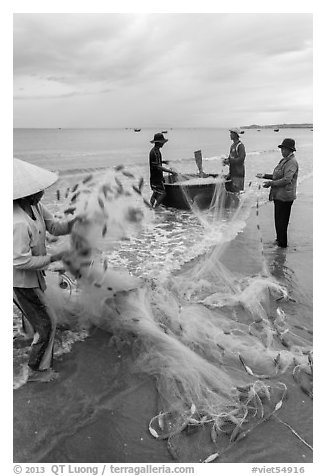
(30, 257)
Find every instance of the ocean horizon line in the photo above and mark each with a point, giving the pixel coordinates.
(166, 129)
(120, 128)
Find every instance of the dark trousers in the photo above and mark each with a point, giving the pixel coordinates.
(37, 315)
(282, 211)
(158, 194)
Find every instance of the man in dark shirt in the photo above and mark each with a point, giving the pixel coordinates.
(157, 169)
(235, 161)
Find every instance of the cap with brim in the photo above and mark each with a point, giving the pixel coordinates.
(159, 137)
(29, 179)
(236, 130)
(288, 144)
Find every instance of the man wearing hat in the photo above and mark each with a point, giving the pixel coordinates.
(283, 185)
(31, 220)
(235, 161)
(157, 169)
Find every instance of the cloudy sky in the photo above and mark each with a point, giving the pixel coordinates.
(162, 70)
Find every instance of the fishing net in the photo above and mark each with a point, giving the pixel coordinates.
(210, 337)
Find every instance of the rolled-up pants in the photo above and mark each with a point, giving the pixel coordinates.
(42, 319)
(282, 211)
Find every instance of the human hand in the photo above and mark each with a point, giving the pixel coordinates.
(225, 161)
(58, 256)
(267, 184)
(260, 175)
(79, 218)
(51, 239)
(57, 268)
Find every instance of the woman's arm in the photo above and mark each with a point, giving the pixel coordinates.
(289, 170)
(23, 258)
(54, 226)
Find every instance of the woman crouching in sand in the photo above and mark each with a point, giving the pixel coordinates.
(31, 220)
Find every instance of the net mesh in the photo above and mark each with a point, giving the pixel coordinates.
(212, 339)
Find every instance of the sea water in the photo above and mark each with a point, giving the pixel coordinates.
(175, 238)
(73, 152)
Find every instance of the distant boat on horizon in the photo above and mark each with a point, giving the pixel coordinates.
(164, 132)
(137, 130)
(276, 130)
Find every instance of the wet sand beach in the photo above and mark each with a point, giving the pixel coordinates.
(98, 411)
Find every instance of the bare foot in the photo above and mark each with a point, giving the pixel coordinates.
(42, 375)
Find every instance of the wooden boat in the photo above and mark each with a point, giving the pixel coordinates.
(276, 130)
(137, 130)
(199, 194)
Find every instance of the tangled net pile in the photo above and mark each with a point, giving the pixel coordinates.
(206, 336)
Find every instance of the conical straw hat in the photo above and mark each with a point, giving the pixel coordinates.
(30, 179)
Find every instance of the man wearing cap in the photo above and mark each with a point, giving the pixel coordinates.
(283, 184)
(31, 220)
(157, 169)
(235, 161)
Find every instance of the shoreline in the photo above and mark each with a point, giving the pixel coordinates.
(98, 410)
